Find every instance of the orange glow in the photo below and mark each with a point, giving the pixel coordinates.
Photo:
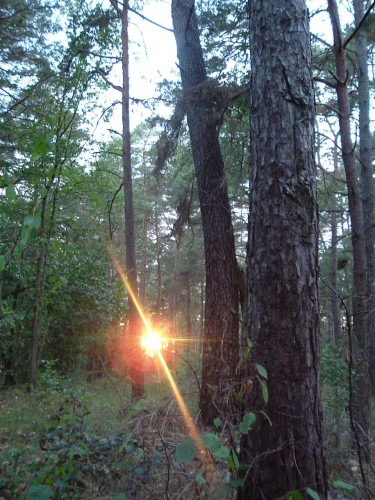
(153, 343)
(185, 412)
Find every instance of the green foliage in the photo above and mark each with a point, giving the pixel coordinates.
(39, 492)
(343, 486)
(186, 451)
(248, 422)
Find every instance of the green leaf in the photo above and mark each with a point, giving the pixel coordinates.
(313, 494)
(39, 492)
(212, 442)
(139, 406)
(263, 385)
(223, 452)
(217, 422)
(199, 478)
(262, 371)
(236, 461)
(294, 495)
(62, 281)
(185, 451)
(42, 146)
(247, 423)
(10, 192)
(339, 484)
(119, 496)
(3, 263)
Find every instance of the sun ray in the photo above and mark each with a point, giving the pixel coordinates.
(155, 342)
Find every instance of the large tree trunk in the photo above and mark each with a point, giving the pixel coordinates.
(367, 179)
(284, 450)
(203, 105)
(360, 394)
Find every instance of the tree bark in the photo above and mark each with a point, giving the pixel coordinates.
(335, 303)
(367, 180)
(360, 394)
(135, 362)
(284, 450)
(203, 103)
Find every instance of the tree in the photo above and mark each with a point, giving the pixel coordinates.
(359, 343)
(134, 319)
(367, 180)
(205, 103)
(284, 450)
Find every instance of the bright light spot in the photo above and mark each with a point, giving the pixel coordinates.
(151, 343)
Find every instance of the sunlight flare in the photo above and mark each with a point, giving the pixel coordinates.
(152, 343)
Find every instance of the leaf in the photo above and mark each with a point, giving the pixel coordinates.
(119, 496)
(3, 263)
(39, 492)
(217, 422)
(313, 494)
(199, 478)
(223, 452)
(247, 423)
(62, 281)
(212, 442)
(236, 461)
(263, 385)
(185, 451)
(10, 192)
(262, 371)
(139, 406)
(294, 495)
(42, 146)
(342, 485)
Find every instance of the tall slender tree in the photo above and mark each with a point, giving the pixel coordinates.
(284, 451)
(134, 320)
(360, 395)
(367, 179)
(204, 106)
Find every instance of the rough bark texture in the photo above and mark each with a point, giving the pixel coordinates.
(281, 314)
(203, 103)
(360, 394)
(367, 180)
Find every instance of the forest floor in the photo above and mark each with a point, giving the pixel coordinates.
(77, 439)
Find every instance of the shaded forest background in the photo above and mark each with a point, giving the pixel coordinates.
(69, 424)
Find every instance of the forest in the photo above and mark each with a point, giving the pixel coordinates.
(187, 249)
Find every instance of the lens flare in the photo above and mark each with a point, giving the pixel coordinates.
(151, 343)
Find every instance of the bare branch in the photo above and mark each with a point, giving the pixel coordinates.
(359, 25)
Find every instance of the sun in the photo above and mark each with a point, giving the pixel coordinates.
(151, 343)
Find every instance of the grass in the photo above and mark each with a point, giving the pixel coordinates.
(83, 440)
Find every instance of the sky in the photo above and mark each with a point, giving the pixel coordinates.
(152, 58)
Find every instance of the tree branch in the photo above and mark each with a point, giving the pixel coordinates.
(359, 25)
(104, 76)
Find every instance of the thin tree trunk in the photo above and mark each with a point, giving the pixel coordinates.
(335, 304)
(134, 321)
(143, 278)
(203, 106)
(38, 295)
(367, 179)
(284, 451)
(360, 400)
